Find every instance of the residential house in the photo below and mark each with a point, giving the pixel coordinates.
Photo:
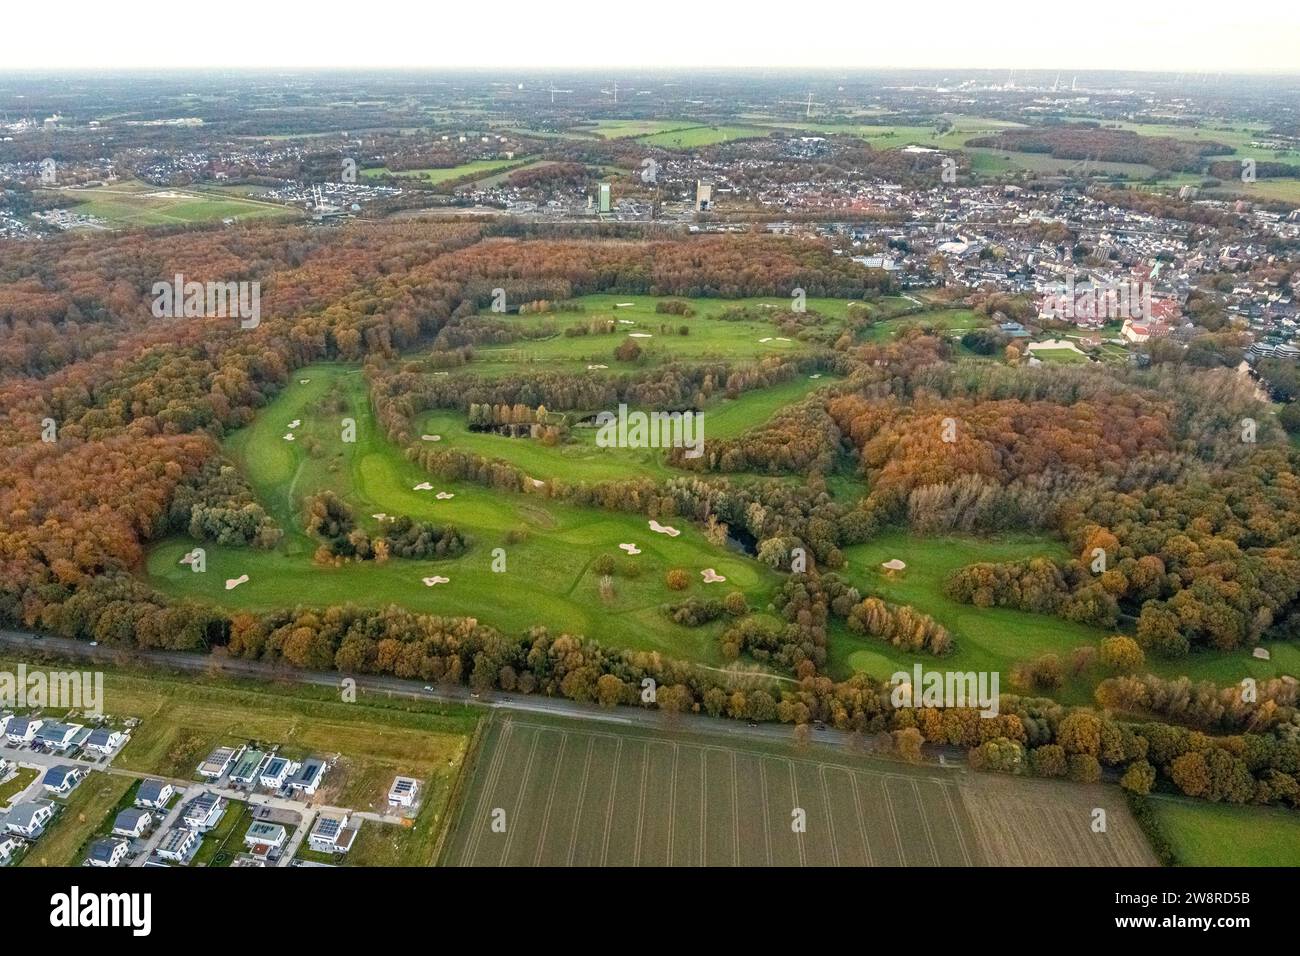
(179, 845)
(133, 822)
(248, 769)
(5, 717)
(403, 792)
(277, 772)
(8, 846)
(204, 812)
(58, 736)
(332, 835)
(29, 819)
(219, 762)
(262, 838)
(154, 794)
(23, 730)
(105, 740)
(309, 776)
(107, 852)
(62, 780)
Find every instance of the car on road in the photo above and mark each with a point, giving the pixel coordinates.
(428, 688)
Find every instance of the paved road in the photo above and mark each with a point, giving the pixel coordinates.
(160, 831)
(442, 693)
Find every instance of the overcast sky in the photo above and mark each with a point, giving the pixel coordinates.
(1191, 36)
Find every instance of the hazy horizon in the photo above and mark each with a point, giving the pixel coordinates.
(584, 35)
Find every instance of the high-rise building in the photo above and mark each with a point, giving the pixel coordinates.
(604, 198)
(703, 195)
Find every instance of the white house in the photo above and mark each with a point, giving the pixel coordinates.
(29, 819)
(270, 835)
(105, 740)
(23, 730)
(154, 794)
(403, 792)
(58, 736)
(309, 776)
(4, 721)
(277, 771)
(331, 835)
(204, 812)
(132, 823)
(219, 762)
(179, 845)
(107, 853)
(8, 847)
(62, 780)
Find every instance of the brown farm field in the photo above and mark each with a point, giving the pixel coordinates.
(570, 794)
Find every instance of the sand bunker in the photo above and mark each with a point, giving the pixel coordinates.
(295, 423)
(630, 548)
(232, 583)
(430, 438)
(423, 486)
(288, 436)
(782, 339)
(436, 579)
(592, 368)
(187, 558)
(766, 340)
(639, 335)
(658, 528)
(303, 381)
(624, 305)
(711, 576)
(627, 321)
(444, 495)
(817, 375)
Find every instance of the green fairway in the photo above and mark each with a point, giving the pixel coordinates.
(987, 639)
(708, 337)
(580, 459)
(548, 580)
(1210, 834)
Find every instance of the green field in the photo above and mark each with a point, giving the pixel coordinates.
(1060, 356)
(132, 203)
(1210, 834)
(987, 639)
(65, 841)
(20, 781)
(697, 136)
(479, 167)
